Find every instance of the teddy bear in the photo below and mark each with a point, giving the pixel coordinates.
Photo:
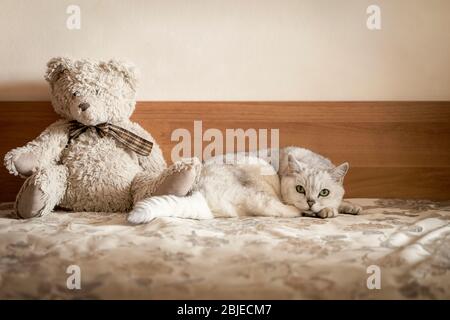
(94, 158)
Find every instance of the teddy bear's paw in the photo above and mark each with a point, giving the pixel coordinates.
(26, 163)
(187, 164)
(140, 214)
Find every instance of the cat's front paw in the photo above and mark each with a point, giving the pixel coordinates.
(349, 208)
(327, 213)
(355, 209)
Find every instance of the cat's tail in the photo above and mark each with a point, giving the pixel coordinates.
(191, 207)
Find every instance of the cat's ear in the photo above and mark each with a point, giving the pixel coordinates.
(339, 172)
(294, 165)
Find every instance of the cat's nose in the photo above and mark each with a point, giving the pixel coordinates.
(310, 203)
(84, 106)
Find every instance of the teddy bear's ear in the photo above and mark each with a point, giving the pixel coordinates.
(127, 69)
(55, 67)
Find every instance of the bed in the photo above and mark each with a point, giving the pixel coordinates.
(397, 149)
(407, 241)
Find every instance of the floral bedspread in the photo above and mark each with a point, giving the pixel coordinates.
(395, 249)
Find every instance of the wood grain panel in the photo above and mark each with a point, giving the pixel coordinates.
(395, 149)
(365, 144)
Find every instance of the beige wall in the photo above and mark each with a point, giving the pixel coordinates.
(238, 49)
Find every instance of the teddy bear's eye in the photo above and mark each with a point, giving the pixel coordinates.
(76, 94)
(97, 91)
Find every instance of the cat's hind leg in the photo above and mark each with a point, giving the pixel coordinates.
(191, 207)
(177, 180)
(349, 208)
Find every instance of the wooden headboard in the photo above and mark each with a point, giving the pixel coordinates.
(395, 149)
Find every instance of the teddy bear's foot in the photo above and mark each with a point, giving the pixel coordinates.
(30, 202)
(41, 192)
(179, 178)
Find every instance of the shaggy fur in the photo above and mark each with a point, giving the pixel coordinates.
(90, 173)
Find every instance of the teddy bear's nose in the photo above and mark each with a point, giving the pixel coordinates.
(84, 106)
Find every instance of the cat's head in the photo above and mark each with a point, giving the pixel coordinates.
(310, 189)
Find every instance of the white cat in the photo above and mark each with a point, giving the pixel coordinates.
(312, 183)
(306, 184)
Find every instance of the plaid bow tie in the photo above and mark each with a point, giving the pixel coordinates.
(127, 138)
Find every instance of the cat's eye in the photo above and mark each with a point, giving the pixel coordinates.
(300, 189)
(76, 94)
(324, 192)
